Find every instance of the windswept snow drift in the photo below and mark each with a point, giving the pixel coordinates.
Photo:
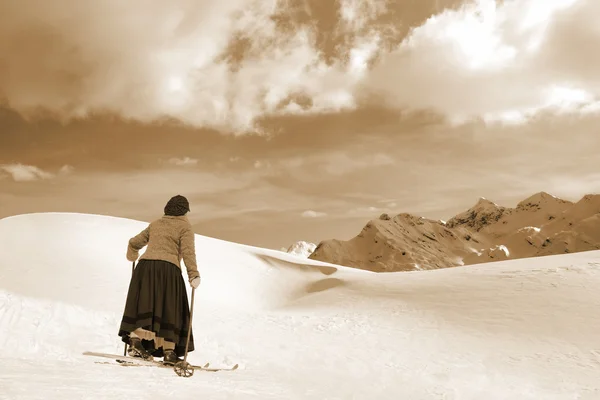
(300, 329)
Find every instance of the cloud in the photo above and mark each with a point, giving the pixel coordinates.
(25, 173)
(183, 161)
(313, 214)
(317, 166)
(342, 163)
(371, 211)
(498, 61)
(322, 167)
(211, 64)
(66, 169)
(229, 65)
(258, 164)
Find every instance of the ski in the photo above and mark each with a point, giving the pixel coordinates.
(127, 361)
(133, 363)
(157, 364)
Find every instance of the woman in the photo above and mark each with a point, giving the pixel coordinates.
(157, 317)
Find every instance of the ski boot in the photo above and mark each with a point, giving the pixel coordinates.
(171, 358)
(137, 350)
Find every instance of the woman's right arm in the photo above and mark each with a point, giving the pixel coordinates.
(136, 243)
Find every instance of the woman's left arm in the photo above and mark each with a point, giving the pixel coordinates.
(188, 251)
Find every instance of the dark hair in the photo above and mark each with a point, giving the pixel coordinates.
(177, 205)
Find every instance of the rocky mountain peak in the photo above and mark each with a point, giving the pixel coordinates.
(482, 214)
(538, 200)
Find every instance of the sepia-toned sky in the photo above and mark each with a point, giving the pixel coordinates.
(295, 120)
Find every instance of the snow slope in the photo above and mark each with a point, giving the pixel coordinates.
(300, 329)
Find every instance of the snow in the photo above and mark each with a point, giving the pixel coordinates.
(485, 202)
(300, 329)
(301, 249)
(501, 248)
(530, 228)
(474, 250)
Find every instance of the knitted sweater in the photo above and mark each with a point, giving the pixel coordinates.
(169, 238)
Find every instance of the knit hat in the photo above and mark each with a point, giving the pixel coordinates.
(177, 206)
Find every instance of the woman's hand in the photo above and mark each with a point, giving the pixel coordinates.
(195, 282)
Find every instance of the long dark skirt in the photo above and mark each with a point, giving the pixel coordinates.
(157, 301)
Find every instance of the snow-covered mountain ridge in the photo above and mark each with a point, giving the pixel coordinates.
(539, 225)
(301, 249)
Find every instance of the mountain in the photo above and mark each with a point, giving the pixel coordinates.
(539, 225)
(402, 243)
(301, 249)
(299, 329)
(482, 214)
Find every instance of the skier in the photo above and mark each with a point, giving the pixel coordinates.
(156, 318)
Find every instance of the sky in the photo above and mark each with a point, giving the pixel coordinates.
(295, 120)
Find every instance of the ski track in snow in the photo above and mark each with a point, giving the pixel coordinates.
(520, 329)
